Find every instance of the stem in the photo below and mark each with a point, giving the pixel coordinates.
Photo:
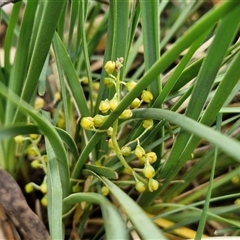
(115, 129)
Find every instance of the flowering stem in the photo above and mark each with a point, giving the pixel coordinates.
(115, 129)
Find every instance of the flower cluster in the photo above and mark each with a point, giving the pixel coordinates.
(108, 105)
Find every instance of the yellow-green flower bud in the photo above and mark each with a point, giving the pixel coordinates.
(146, 96)
(39, 102)
(140, 186)
(43, 187)
(110, 67)
(148, 171)
(110, 143)
(104, 106)
(32, 151)
(84, 80)
(235, 179)
(148, 123)
(135, 103)
(87, 122)
(237, 201)
(151, 157)
(113, 103)
(130, 85)
(98, 120)
(142, 160)
(109, 131)
(126, 114)
(57, 96)
(19, 139)
(126, 151)
(34, 136)
(35, 164)
(105, 190)
(45, 158)
(44, 200)
(153, 185)
(76, 188)
(109, 82)
(96, 86)
(139, 151)
(29, 188)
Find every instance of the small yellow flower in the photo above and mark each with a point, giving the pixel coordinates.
(57, 96)
(140, 186)
(105, 190)
(135, 103)
(146, 96)
(130, 85)
(126, 114)
(96, 86)
(98, 120)
(110, 67)
(35, 164)
(29, 188)
(44, 200)
(113, 103)
(87, 122)
(139, 151)
(109, 131)
(151, 157)
(109, 82)
(84, 80)
(43, 187)
(148, 171)
(34, 136)
(148, 123)
(110, 143)
(126, 151)
(19, 139)
(39, 103)
(104, 106)
(153, 185)
(76, 188)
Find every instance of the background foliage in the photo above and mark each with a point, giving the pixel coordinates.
(186, 53)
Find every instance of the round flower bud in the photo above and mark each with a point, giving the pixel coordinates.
(110, 143)
(130, 85)
(57, 96)
(153, 185)
(148, 123)
(43, 187)
(135, 103)
(148, 171)
(105, 190)
(19, 139)
(113, 103)
(109, 82)
(110, 67)
(39, 102)
(76, 188)
(35, 164)
(104, 106)
(140, 186)
(126, 151)
(109, 131)
(146, 96)
(84, 80)
(139, 151)
(151, 157)
(142, 160)
(126, 114)
(29, 188)
(235, 180)
(44, 200)
(34, 136)
(96, 85)
(98, 120)
(87, 122)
